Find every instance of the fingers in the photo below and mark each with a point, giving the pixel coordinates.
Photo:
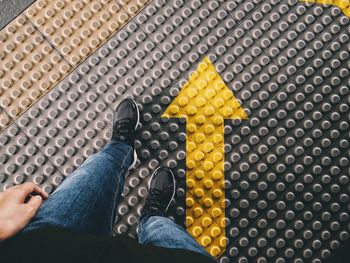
(30, 208)
(34, 203)
(23, 190)
(39, 191)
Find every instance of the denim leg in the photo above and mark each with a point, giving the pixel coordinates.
(86, 200)
(163, 232)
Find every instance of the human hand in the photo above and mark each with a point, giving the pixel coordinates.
(18, 205)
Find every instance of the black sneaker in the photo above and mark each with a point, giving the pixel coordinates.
(161, 192)
(125, 120)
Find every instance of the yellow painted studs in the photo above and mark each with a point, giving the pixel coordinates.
(344, 5)
(205, 101)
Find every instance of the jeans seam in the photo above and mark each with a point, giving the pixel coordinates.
(116, 192)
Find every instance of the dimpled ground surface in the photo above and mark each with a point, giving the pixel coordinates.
(271, 186)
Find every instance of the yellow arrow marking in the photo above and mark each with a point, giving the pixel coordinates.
(344, 5)
(205, 101)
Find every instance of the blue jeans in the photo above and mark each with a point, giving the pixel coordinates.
(86, 202)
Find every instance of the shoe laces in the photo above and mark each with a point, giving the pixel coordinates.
(156, 200)
(122, 128)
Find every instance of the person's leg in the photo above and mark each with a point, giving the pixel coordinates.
(156, 229)
(163, 232)
(86, 200)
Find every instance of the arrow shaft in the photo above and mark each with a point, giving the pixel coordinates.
(205, 196)
(205, 101)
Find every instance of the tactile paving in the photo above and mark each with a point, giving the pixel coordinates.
(298, 133)
(8, 12)
(133, 7)
(241, 9)
(294, 39)
(77, 28)
(205, 101)
(5, 120)
(247, 70)
(181, 28)
(68, 124)
(247, 176)
(135, 188)
(22, 161)
(29, 66)
(344, 5)
(130, 65)
(286, 168)
(207, 232)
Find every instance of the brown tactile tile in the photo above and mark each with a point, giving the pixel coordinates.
(5, 120)
(133, 7)
(77, 28)
(29, 66)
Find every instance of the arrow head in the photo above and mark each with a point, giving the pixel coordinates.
(205, 95)
(343, 5)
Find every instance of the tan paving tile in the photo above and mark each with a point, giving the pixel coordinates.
(133, 7)
(29, 66)
(5, 120)
(77, 28)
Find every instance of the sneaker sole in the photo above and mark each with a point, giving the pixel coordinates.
(133, 165)
(174, 183)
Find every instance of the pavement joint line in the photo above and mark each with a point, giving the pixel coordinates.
(76, 66)
(36, 102)
(12, 120)
(132, 18)
(69, 72)
(32, 139)
(175, 81)
(193, 67)
(54, 49)
(182, 75)
(36, 146)
(189, 70)
(83, 76)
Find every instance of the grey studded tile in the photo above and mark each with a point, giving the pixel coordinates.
(69, 123)
(246, 69)
(294, 32)
(128, 65)
(186, 30)
(21, 161)
(240, 10)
